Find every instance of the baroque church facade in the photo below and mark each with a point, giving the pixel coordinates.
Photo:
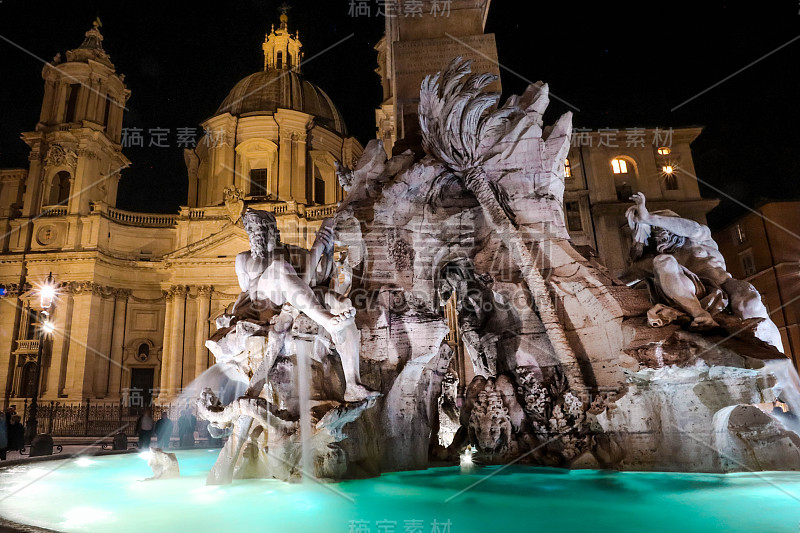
(138, 293)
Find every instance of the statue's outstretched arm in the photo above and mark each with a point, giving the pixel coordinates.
(679, 226)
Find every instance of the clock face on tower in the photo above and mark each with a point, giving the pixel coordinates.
(46, 235)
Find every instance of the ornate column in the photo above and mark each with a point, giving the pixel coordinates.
(118, 341)
(189, 331)
(176, 338)
(61, 100)
(166, 352)
(79, 356)
(285, 165)
(302, 193)
(202, 329)
(10, 316)
(103, 332)
(50, 90)
(59, 346)
(34, 185)
(82, 104)
(92, 98)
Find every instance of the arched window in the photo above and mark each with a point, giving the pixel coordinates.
(619, 166)
(59, 189)
(624, 177)
(279, 60)
(567, 169)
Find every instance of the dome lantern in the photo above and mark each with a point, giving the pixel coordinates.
(282, 50)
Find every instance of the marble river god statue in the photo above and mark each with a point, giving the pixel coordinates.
(461, 317)
(277, 315)
(688, 272)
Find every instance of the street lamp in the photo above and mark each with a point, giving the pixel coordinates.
(47, 293)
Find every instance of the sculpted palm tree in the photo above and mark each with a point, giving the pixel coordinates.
(460, 130)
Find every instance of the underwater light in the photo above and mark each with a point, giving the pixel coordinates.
(466, 457)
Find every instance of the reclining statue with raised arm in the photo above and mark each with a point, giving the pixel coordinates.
(276, 313)
(271, 288)
(688, 272)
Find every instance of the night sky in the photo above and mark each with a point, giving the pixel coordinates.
(622, 66)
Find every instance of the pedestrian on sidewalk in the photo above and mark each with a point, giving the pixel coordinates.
(16, 434)
(144, 428)
(163, 431)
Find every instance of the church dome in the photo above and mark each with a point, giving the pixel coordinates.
(265, 92)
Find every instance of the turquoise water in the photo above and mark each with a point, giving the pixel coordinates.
(105, 494)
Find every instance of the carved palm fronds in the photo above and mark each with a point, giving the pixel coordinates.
(456, 128)
(458, 124)
(459, 130)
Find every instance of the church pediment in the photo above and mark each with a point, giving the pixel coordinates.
(228, 242)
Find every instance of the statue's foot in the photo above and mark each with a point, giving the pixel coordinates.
(703, 322)
(357, 393)
(343, 318)
(338, 323)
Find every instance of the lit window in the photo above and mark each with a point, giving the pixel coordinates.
(667, 169)
(741, 236)
(619, 166)
(574, 222)
(664, 151)
(567, 169)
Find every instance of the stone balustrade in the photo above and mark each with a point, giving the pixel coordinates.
(130, 218)
(322, 211)
(54, 211)
(27, 345)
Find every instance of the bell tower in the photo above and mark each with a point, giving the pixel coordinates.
(281, 48)
(76, 155)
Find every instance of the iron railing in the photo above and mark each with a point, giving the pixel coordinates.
(97, 418)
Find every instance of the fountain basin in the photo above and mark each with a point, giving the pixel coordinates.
(101, 494)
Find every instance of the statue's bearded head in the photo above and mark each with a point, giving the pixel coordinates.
(262, 229)
(665, 241)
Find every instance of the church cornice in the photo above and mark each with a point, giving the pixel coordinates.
(100, 257)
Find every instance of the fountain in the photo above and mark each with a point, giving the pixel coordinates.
(341, 359)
